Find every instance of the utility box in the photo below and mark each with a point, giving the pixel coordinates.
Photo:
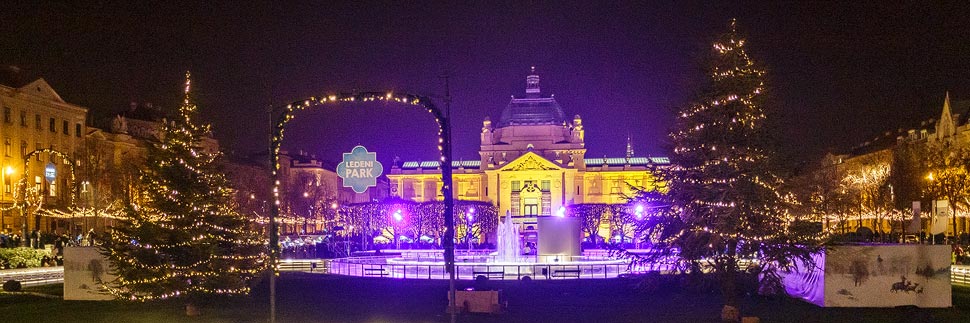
(478, 301)
(559, 238)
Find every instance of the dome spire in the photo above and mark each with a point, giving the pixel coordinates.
(629, 147)
(532, 84)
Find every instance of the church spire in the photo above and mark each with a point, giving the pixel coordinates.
(532, 84)
(629, 147)
(946, 127)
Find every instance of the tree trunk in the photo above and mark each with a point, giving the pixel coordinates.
(191, 310)
(729, 288)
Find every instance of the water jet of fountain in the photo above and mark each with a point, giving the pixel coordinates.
(508, 240)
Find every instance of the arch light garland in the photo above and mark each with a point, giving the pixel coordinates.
(280, 116)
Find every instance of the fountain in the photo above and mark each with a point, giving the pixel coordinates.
(508, 241)
(559, 257)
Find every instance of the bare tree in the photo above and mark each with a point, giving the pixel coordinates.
(592, 215)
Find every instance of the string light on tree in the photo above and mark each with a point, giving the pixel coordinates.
(724, 201)
(182, 236)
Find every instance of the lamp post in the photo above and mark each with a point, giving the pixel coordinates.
(350, 229)
(931, 179)
(334, 215)
(7, 188)
(468, 228)
(398, 217)
(638, 211)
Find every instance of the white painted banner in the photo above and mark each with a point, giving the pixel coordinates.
(941, 212)
(84, 270)
(915, 226)
(875, 276)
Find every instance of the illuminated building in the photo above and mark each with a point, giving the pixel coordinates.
(531, 163)
(35, 117)
(863, 176)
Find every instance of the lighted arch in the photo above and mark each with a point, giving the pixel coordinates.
(70, 163)
(282, 115)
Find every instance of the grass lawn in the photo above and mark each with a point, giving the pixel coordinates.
(320, 298)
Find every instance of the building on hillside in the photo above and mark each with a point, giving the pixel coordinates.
(531, 163)
(35, 117)
(867, 167)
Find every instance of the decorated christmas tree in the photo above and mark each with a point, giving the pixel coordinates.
(723, 203)
(182, 236)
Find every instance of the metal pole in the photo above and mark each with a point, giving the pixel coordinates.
(449, 241)
(273, 212)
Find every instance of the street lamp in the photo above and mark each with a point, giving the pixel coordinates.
(468, 228)
(7, 188)
(398, 217)
(638, 211)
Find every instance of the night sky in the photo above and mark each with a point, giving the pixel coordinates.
(839, 74)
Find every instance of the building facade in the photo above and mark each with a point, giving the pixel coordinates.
(531, 163)
(865, 175)
(311, 193)
(35, 117)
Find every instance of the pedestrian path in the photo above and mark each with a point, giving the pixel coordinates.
(34, 276)
(959, 274)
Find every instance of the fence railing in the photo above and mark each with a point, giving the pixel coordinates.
(370, 267)
(960, 275)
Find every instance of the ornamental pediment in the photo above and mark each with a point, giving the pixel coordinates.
(40, 88)
(530, 161)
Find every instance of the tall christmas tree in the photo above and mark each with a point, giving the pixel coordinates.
(183, 236)
(724, 202)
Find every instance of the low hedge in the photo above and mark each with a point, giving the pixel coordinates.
(22, 257)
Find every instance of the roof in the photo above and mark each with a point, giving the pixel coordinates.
(960, 110)
(532, 111)
(621, 161)
(436, 164)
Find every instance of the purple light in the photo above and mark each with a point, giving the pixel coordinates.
(639, 211)
(562, 212)
(397, 216)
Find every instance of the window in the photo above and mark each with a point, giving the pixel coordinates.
(6, 115)
(37, 182)
(66, 128)
(6, 147)
(53, 125)
(23, 148)
(531, 206)
(516, 186)
(545, 186)
(8, 184)
(77, 130)
(53, 188)
(23, 119)
(50, 155)
(37, 121)
(37, 146)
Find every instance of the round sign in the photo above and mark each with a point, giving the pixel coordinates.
(359, 169)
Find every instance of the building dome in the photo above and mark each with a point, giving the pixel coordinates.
(533, 109)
